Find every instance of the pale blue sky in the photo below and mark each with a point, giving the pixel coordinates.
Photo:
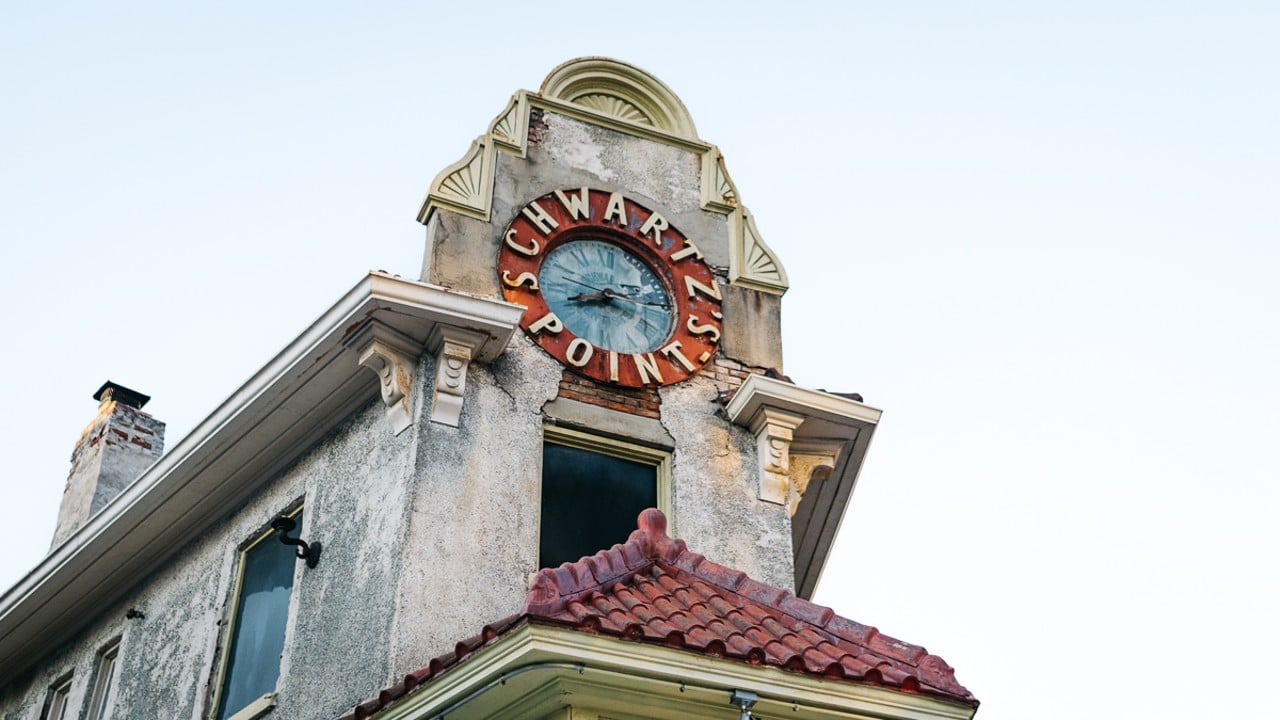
(1042, 238)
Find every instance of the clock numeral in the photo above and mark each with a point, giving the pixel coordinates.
(613, 366)
(524, 278)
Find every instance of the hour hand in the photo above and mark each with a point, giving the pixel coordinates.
(589, 297)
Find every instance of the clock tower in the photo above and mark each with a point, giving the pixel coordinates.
(560, 476)
(645, 368)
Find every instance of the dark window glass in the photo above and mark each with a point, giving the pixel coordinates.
(257, 638)
(589, 501)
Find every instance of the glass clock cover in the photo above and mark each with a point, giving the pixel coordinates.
(607, 296)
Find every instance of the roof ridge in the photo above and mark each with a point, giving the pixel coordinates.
(553, 589)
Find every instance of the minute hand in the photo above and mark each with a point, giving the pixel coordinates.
(628, 298)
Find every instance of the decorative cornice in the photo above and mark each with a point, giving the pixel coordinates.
(510, 130)
(752, 263)
(466, 186)
(622, 91)
(719, 194)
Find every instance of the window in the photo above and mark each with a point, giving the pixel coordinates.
(58, 695)
(255, 638)
(100, 700)
(593, 488)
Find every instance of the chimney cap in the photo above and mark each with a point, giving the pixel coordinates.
(121, 394)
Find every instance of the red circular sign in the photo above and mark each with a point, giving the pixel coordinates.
(668, 317)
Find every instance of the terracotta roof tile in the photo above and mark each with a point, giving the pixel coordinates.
(653, 589)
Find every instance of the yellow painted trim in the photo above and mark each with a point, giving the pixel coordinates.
(616, 89)
(651, 681)
(660, 460)
(752, 263)
(612, 122)
(719, 194)
(224, 646)
(466, 186)
(257, 708)
(510, 129)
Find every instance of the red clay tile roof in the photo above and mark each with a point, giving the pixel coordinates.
(653, 589)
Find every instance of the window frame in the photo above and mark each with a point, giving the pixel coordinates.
(659, 459)
(264, 703)
(59, 696)
(100, 695)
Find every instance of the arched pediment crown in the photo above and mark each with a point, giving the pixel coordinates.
(616, 89)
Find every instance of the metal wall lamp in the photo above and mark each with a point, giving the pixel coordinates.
(744, 700)
(310, 552)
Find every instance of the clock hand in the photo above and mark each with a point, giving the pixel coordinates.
(607, 294)
(633, 300)
(577, 282)
(589, 297)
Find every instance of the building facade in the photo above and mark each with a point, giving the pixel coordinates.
(595, 331)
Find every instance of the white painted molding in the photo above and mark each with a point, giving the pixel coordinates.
(284, 409)
(454, 348)
(759, 391)
(809, 460)
(774, 431)
(393, 358)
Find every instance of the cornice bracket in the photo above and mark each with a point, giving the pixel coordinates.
(454, 349)
(774, 431)
(393, 357)
(810, 460)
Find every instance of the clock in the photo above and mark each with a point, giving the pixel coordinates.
(611, 289)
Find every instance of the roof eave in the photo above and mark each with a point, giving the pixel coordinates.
(525, 672)
(293, 401)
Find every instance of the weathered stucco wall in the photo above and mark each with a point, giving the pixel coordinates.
(355, 486)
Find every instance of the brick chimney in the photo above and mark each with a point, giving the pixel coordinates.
(120, 443)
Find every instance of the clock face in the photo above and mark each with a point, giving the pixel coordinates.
(610, 288)
(607, 296)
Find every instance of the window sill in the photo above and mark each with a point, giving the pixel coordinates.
(257, 708)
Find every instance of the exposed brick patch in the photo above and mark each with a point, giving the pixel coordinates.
(635, 401)
(730, 374)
